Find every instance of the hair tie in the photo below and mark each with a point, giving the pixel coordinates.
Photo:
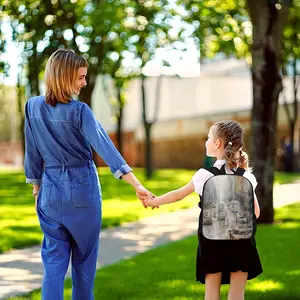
(229, 143)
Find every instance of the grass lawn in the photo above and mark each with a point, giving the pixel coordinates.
(19, 225)
(168, 272)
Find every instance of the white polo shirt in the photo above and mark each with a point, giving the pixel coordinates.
(202, 175)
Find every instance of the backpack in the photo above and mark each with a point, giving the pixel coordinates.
(227, 204)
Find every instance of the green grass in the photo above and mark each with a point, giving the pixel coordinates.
(168, 272)
(282, 178)
(19, 225)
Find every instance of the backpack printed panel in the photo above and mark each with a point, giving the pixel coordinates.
(227, 208)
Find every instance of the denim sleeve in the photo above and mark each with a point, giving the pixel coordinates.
(33, 162)
(97, 137)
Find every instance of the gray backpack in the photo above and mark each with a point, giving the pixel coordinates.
(227, 204)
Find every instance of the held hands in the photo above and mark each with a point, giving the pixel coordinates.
(150, 202)
(144, 194)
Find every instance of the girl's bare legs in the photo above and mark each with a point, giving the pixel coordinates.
(212, 286)
(238, 282)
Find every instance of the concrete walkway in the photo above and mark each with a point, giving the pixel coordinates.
(21, 270)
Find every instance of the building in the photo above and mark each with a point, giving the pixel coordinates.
(187, 109)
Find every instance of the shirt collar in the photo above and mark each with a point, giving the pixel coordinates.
(219, 163)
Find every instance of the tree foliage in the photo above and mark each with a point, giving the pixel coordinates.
(252, 30)
(221, 26)
(95, 29)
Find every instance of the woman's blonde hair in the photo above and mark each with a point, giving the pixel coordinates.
(60, 75)
(231, 134)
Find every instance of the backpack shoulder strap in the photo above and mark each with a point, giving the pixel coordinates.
(216, 171)
(222, 170)
(240, 171)
(213, 170)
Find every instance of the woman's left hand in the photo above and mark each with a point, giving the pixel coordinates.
(35, 193)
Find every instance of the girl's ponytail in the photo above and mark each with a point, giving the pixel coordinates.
(243, 160)
(236, 158)
(230, 156)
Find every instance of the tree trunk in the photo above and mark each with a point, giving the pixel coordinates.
(147, 127)
(120, 120)
(149, 166)
(20, 96)
(33, 74)
(268, 23)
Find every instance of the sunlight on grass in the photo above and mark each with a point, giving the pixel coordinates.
(168, 272)
(293, 273)
(265, 286)
(292, 225)
(281, 178)
(172, 284)
(195, 287)
(288, 213)
(19, 224)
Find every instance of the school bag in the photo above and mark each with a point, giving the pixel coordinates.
(227, 204)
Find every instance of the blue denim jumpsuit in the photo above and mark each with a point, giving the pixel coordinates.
(58, 157)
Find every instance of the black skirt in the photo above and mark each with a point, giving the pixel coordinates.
(214, 256)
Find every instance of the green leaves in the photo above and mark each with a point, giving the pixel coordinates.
(291, 45)
(103, 31)
(220, 26)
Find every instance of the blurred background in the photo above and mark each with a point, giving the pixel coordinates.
(161, 72)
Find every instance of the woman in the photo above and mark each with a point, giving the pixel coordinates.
(59, 133)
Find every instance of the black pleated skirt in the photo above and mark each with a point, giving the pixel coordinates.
(214, 256)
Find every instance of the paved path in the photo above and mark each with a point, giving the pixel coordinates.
(21, 270)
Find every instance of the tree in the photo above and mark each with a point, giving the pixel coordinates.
(268, 21)
(89, 28)
(220, 27)
(93, 29)
(117, 99)
(39, 27)
(116, 68)
(152, 25)
(102, 26)
(21, 105)
(224, 26)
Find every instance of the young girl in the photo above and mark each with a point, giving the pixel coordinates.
(221, 261)
(59, 133)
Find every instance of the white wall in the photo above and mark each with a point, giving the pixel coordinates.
(100, 103)
(181, 99)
